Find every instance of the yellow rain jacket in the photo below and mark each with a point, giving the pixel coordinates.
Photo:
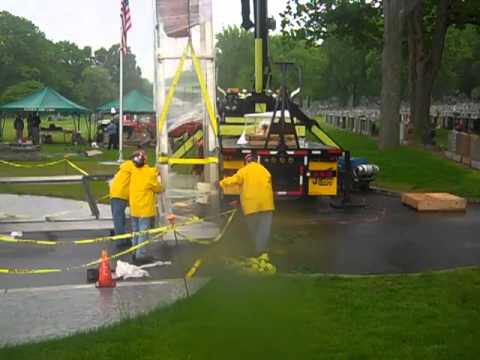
(121, 182)
(143, 187)
(256, 193)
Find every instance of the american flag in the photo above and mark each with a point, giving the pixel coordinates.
(126, 24)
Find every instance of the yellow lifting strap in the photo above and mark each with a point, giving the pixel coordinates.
(180, 161)
(203, 88)
(171, 91)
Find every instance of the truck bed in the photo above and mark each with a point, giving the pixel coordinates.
(231, 143)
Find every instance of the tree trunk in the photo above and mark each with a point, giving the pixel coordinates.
(423, 93)
(424, 66)
(412, 73)
(391, 71)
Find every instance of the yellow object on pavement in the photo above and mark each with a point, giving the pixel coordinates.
(260, 265)
(121, 182)
(143, 186)
(256, 193)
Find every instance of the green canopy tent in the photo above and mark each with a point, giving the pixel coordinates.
(43, 101)
(133, 103)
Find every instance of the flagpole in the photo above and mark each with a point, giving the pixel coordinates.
(120, 120)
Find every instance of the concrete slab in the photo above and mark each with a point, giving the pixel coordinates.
(38, 208)
(89, 223)
(36, 314)
(63, 179)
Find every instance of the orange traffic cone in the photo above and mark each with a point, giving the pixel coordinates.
(105, 272)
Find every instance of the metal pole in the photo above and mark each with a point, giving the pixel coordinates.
(120, 120)
(162, 134)
(211, 172)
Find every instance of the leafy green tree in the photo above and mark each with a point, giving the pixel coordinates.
(24, 52)
(96, 87)
(235, 58)
(19, 90)
(110, 60)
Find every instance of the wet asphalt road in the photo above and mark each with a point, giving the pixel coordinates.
(307, 236)
(383, 237)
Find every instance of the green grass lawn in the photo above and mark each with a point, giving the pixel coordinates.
(430, 316)
(410, 169)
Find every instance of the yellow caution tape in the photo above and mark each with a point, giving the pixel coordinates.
(191, 273)
(155, 231)
(104, 197)
(23, 271)
(42, 165)
(204, 91)
(171, 91)
(76, 167)
(28, 271)
(12, 240)
(158, 232)
(179, 161)
(217, 238)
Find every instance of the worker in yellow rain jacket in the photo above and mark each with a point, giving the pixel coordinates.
(144, 185)
(119, 191)
(256, 198)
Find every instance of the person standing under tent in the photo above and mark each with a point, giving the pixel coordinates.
(19, 126)
(256, 198)
(145, 183)
(36, 129)
(111, 131)
(30, 126)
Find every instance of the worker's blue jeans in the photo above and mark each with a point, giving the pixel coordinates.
(140, 224)
(259, 224)
(118, 214)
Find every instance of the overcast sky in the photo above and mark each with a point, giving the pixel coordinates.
(96, 23)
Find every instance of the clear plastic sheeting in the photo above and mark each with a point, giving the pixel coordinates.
(178, 16)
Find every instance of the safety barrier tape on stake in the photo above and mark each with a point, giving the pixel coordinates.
(179, 161)
(196, 265)
(166, 229)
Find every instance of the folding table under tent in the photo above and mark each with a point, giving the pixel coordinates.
(43, 101)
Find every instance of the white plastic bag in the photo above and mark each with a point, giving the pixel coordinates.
(242, 140)
(125, 270)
